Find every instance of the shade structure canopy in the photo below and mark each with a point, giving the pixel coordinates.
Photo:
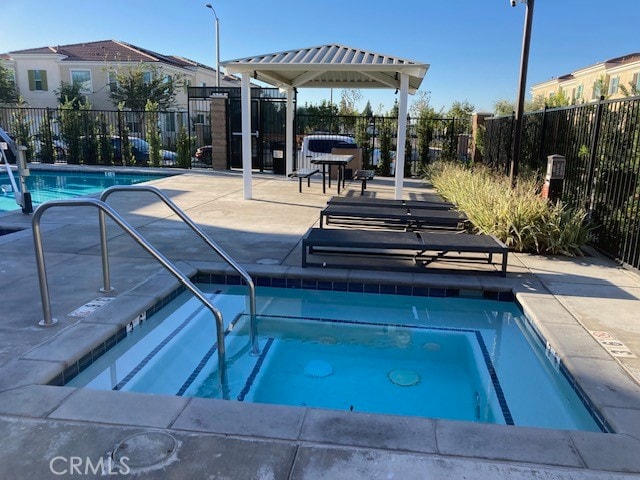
(326, 66)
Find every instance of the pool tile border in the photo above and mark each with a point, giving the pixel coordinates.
(356, 286)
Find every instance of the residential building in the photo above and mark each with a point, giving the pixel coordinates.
(38, 72)
(609, 78)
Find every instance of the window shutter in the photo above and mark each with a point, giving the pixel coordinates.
(32, 80)
(43, 76)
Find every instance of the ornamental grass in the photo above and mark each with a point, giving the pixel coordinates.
(518, 216)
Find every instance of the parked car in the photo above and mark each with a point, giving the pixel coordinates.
(204, 154)
(314, 145)
(140, 150)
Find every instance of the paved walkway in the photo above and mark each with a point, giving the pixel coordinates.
(585, 307)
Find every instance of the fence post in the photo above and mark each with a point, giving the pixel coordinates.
(507, 167)
(591, 180)
(542, 131)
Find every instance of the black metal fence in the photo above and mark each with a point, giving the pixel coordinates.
(601, 144)
(427, 141)
(92, 137)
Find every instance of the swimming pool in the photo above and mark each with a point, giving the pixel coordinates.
(457, 358)
(50, 185)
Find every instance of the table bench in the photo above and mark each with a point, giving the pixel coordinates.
(363, 175)
(304, 173)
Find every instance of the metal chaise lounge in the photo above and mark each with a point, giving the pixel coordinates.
(331, 247)
(432, 204)
(404, 217)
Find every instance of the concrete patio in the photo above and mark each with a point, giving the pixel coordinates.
(567, 299)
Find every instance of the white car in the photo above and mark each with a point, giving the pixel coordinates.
(318, 144)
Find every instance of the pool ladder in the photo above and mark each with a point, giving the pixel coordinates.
(104, 210)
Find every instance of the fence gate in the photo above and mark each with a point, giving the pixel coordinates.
(268, 112)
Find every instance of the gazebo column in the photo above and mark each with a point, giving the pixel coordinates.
(245, 93)
(290, 115)
(402, 134)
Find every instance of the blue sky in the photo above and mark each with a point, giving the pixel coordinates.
(473, 46)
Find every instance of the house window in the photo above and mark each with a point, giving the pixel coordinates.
(169, 122)
(596, 89)
(613, 86)
(113, 82)
(579, 92)
(82, 78)
(168, 81)
(146, 78)
(203, 84)
(636, 81)
(38, 80)
(187, 84)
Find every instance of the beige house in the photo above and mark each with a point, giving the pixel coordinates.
(38, 72)
(609, 78)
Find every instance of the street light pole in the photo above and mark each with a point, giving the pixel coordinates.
(208, 5)
(517, 132)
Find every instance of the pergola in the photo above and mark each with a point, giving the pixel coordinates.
(326, 66)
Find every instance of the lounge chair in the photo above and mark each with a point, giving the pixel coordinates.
(392, 217)
(433, 204)
(421, 247)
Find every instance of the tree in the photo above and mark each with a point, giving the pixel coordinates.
(8, 92)
(368, 111)
(134, 86)
(462, 112)
(386, 146)
(184, 149)
(601, 87)
(420, 102)
(349, 99)
(70, 95)
(318, 117)
(632, 91)
(153, 134)
(424, 131)
(504, 107)
(22, 127)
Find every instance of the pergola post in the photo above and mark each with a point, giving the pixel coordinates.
(401, 138)
(245, 92)
(290, 114)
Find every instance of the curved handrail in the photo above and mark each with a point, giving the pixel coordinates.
(106, 209)
(245, 276)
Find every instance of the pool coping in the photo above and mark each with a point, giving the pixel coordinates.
(611, 390)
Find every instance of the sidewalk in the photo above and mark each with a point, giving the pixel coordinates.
(584, 306)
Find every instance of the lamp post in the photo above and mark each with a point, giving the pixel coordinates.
(208, 5)
(517, 131)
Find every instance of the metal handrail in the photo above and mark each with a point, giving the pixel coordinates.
(253, 331)
(106, 209)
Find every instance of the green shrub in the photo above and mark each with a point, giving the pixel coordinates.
(518, 216)
(184, 149)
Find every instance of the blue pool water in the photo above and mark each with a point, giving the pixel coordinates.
(50, 185)
(457, 358)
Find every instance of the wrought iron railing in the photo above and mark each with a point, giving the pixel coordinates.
(601, 144)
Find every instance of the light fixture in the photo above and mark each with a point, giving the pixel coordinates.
(208, 5)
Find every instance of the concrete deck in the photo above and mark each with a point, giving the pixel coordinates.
(174, 437)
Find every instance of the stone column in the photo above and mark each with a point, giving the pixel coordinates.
(219, 134)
